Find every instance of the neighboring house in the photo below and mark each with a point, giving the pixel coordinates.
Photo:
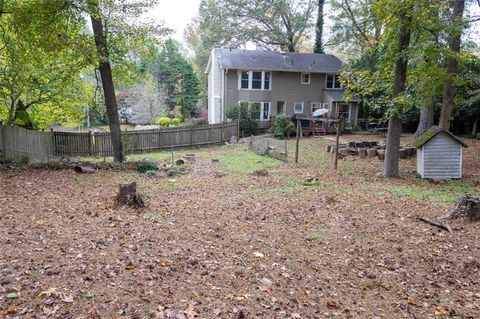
(278, 83)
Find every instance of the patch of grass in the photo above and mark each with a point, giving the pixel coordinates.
(446, 194)
(317, 235)
(247, 162)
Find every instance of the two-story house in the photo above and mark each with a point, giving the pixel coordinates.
(279, 83)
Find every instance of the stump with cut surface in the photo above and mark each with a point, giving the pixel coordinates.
(466, 207)
(127, 195)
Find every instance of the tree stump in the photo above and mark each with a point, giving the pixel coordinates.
(127, 195)
(371, 152)
(362, 152)
(329, 148)
(180, 162)
(466, 207)
(381, 154)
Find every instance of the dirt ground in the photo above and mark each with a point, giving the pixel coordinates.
(219, 242)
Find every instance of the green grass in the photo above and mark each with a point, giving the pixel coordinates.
(447, 193)
(317, 235)
(247, 162)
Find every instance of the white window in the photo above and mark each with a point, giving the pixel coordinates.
(305, 78)
(263, 109)
(298, 107)
(333, 81)
(254, 80)
(244, 80)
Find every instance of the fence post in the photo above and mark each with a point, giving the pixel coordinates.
(286, 151)
(191, 135)
(160, 138)
(221, 133)
(91, 142)
(238, 128)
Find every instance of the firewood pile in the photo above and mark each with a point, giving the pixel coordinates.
(368, 149)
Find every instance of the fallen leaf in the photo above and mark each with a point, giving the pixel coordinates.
(265, 288)
(68, 298)
(410, 300)
(13, 295)
(332, 304)
(10, 311)
(257, 254)
(47, 293)
(190, 312)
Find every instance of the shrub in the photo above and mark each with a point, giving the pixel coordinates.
(164, 122)
(24, 159)
(151, 173)
(282, 126)
(176, 122)
(249, 116)
(145, 166)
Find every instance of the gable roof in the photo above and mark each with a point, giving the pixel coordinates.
(276, 61)
(431, 133)
(339, 96)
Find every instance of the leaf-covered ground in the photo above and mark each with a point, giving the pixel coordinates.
(219, 242)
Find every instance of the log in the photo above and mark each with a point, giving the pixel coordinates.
(84, 169)
(439, 225)
(362, 152)
(466, 207)
(371, 152)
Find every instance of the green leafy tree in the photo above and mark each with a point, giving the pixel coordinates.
(177, 78)
(319, 45)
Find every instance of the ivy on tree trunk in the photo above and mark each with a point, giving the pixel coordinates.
(319, 28)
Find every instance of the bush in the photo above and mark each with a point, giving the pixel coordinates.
(152, 173)
(176, 122)
(24, 159)
(249, 116)
(282, 126)
(145, 166)
(164, 122)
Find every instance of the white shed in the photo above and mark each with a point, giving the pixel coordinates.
(439, 154)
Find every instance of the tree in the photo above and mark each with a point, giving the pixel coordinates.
(40, 68)
(319, 28)
(107, 81)
(455, 37)
(177, 78)
(399, 83)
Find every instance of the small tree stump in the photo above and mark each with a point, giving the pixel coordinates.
(328, 148)
(371, 152)
(362, 152)
(127, 195)
(180, 161)
(381, 154)
(466, 207)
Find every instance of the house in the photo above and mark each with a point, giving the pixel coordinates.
(439, 154)
(277, 83)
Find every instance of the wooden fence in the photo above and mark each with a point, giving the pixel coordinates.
(15, 141)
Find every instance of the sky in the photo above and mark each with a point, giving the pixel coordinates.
(176, 15)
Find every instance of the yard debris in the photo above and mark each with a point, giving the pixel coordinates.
(84, 169)
(433, 223)
(260, 172)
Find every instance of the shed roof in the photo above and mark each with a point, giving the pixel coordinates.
(431, 133)
(339, 96)
(278, 61)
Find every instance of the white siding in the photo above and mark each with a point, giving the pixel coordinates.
(442, 158)
(420, 161)
(215, 75)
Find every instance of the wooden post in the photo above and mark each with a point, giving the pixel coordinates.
(221, 134)
(90, 142)
(160, 138)
(337, 142)
(297, 141)
(238, 127)
(191, 136)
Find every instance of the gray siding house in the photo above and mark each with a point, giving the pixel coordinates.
(278, 83)
(439, 154)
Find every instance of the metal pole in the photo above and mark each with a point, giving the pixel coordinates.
(337, 142)
(297, 141)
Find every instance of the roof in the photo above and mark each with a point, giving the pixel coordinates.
(339, 96)
(277, 61)
(431, 133)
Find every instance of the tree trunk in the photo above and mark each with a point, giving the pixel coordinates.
(107, 81)
(392, 150)
(475, 128)
(449, 91)
(319, 29)
(426, 121)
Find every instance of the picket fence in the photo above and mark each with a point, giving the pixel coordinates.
(16, 141)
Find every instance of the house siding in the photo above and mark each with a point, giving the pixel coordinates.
(441, 158)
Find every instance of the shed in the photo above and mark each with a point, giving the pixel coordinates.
(439, 154)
